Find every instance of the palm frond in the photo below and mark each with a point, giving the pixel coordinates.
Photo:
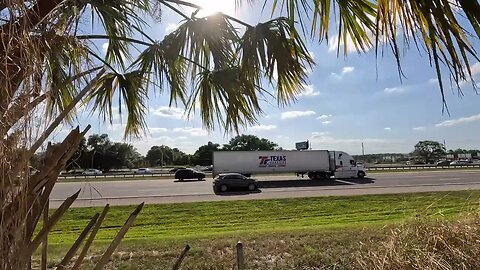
(356, 22)
(64, 59)
(226, 98)
(207, 42)
(162, 65)
(434, 24)
(131, 92)
(118, 19)
(269, 47)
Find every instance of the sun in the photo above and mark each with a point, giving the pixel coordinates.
(213, 6)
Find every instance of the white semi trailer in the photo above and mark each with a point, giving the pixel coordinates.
(317, 164)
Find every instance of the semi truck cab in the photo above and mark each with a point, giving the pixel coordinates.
(344, 166)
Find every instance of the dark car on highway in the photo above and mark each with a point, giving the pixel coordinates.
(183, 174)
(174, 170)
(230, 181)
(443, 163)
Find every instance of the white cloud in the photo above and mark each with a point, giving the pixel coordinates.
(324, 116)
(394, 90)
(333, 45)
(170, 28)
(319, 134)
(263, 127)
(475, 69)
(326, 122)
(323, 138)
(169, 112)
(418, 128)
(343, 72)
(296, 114)
(312, 54)
(346, 70)
(105, 47)
(433, 80)
(157, 130)
(458, 121)
(194, 132)
(309, 91)
(387, 128)
(282, 137)
(115, 126)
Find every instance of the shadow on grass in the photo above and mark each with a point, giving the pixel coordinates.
(313, 183)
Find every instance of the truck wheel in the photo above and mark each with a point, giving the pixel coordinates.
(223, 188)
(252, 187)
(361, 174)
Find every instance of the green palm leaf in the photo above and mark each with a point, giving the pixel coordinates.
(161, 65)
(434, 24)
(226, 98)
(131, 92)
(275, 48)
(206, 42)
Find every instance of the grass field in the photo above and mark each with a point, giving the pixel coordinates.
(198, 220)
(309, 231)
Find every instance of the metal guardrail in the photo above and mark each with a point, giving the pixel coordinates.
(119, 175)
(171, 174)
(420, 167)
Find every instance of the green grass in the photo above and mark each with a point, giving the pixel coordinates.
(207, 219)
(300, 233)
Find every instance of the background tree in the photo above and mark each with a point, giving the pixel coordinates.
(429, 151)
(204, 155)
(249, 143)
(164, 155)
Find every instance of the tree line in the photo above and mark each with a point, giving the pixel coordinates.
(164, 155)
(424, 152)
(99, 152)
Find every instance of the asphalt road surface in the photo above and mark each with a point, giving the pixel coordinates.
(127, 192)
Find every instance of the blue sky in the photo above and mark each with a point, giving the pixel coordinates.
(346, 102)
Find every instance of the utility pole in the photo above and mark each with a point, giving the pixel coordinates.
(363, 151)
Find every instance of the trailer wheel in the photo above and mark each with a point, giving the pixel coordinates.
(312, 175)
(361, 174)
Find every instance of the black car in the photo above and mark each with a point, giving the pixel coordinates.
(183, 174)
(230, 181)
(174, 170)
(443, 163)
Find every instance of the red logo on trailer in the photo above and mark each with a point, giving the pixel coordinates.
(272, 161)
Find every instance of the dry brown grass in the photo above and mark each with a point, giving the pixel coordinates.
(418, 244)
(424, 244)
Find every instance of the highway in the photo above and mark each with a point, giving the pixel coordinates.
(127, 192)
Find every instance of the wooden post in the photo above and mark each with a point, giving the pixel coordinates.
(240, 258)
(182, 256)
(43, 264)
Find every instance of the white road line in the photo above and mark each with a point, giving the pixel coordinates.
(345, 182)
